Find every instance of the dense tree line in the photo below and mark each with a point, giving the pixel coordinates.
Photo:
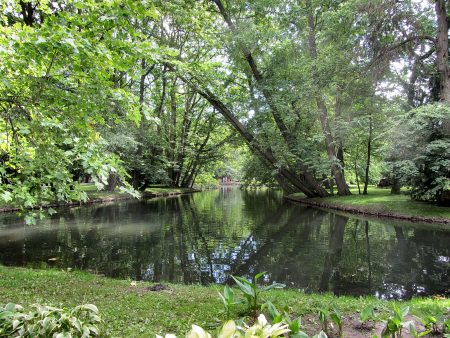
(135, 93)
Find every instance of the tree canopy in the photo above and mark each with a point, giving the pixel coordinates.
(129, 94)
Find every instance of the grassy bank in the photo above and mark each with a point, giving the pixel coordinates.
(156, 190)
(380, 202)
(134, 311)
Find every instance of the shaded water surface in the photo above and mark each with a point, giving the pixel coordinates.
(205, 237)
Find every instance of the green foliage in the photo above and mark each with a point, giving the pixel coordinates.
(127, 313)
(432, 320)
(294, 325)
(397, 322)
(47, 321)
(324, 316)
(337, 319)
(252, 291)
(422, 151)
(117, 90)
(228, 300)
(56, 90)
(261, 329)
(206, 180)
(368, 314)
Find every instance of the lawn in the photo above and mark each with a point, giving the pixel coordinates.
(134, 311)
(380, 201)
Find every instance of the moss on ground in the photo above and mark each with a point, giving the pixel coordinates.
(134, 311)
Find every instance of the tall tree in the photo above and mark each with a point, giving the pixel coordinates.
(443, 19)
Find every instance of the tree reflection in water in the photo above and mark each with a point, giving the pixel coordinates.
(205, 237)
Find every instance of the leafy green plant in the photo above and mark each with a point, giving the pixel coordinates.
(431, 321)
(324, 315)
(368, 315)
(321, 334)
(446, 327)
(294, 325)
(252, 291)
(228, 300)
(261, 329)
(47, 321)
(336, 317)
(396, 323)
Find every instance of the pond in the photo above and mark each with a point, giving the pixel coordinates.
(205, 237)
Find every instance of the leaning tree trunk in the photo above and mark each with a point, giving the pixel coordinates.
(265, 154)
(336, 167)
(308, 180)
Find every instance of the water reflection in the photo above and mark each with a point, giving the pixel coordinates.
(205, 237)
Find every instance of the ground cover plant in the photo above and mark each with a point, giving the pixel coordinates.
(135, 310)
(48, 321)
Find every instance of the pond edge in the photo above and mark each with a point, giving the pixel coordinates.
(145, 196)
(366, 211)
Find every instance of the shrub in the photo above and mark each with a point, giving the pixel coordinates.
(47, 321)
(421, 152)
(261, 329)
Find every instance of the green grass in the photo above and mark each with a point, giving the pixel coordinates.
(381, 201)
(132, 311)
(166, 190)
(93, 193)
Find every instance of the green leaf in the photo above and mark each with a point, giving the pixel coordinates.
(228, 330)
(228, 293)
(274, 286)
(244, 286)
(259, 275)
(91, 307)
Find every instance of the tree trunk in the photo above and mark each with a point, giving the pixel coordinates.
(442, 50)
(173, 132)
(369, 150)
(142, 91)
(265, 153)
(395, 189)
(187, 119)
(113, 181)
(336, 167)
(189, 178)
(357, 179)
(356, 170)
(308, 180)
(27, 12)
(162, 101)
(338, 110)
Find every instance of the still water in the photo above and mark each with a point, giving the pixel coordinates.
(205, 237)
